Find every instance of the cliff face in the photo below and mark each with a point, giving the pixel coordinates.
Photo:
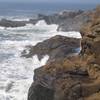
(73, 78)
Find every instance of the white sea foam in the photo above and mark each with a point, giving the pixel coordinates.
(15, 18)
(38, 63)
(16, 73)
(19, 73)
(18, 19)
(2, 28)
(72, 34)
(41, 22)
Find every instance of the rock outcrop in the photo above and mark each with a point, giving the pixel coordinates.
(73, 78)
(57, 47)
(67, 20)
(10, 23)
(59, 17)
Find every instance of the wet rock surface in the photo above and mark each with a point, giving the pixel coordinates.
(57, 47)
(66, 20)
(73, 78)
(9, 23)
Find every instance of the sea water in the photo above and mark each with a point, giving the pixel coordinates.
(16, 72)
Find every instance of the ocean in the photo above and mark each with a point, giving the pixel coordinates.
(29, 9)
(16, 72)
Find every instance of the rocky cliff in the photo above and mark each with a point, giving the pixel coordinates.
(72, 78)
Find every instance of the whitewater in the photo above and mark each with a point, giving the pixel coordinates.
(16, 72)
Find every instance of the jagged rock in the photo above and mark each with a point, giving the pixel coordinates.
(73, 78)
(67, 20)
(56, 47)
(8, 23)
(41, 93)
(74, 24)
(33, 21)
(59, 18)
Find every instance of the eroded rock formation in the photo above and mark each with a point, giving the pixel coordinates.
(57, 47)
(73, 78)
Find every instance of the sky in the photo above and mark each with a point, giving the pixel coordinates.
(51, 1)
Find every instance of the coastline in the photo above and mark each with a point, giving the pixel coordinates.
(60, 52)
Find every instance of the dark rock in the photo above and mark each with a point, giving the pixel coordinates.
(8, 23)
(33, 21)
(59, 18)
(74, 24)
(56, 47)
(40, 93)
(9, 86)
(67, 20)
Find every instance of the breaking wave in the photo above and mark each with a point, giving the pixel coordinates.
(16, 73)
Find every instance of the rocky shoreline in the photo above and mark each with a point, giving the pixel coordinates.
(66, 20)
(56, 47)
(74, 77)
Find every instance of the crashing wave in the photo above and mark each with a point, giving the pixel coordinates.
(20, 70)
(41, 22)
